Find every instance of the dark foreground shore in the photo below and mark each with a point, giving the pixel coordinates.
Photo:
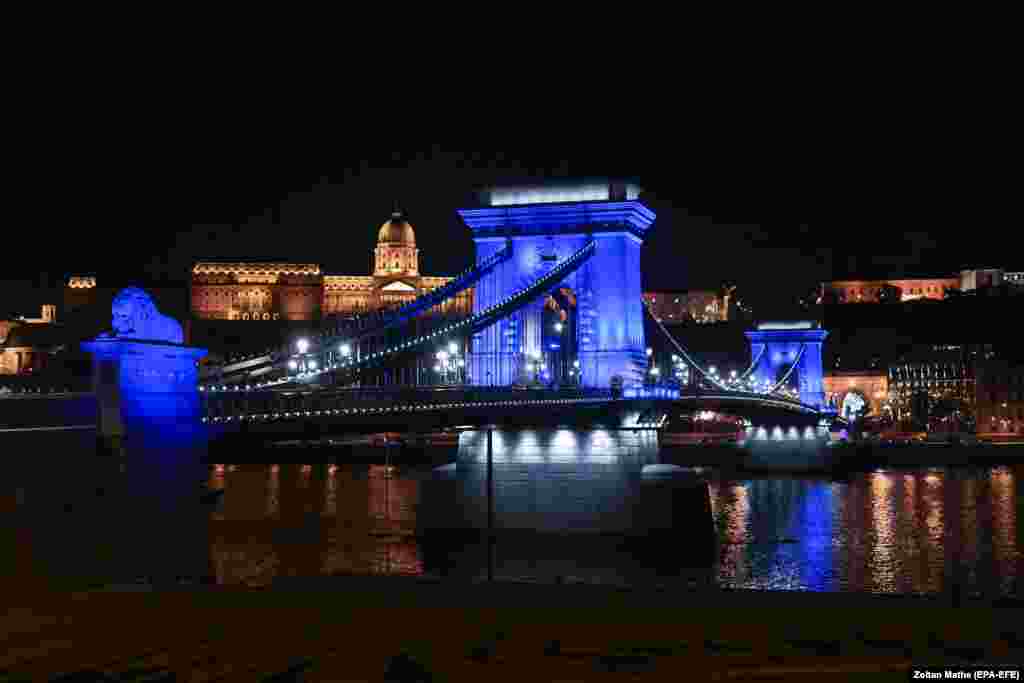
(357, 628)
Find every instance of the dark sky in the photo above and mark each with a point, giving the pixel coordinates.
(774, 224)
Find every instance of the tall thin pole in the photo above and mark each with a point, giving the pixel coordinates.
(490, 507)
(387, 505)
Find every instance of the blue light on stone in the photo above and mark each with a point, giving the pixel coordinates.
(607, 285)
(777, 347)
(143, 375)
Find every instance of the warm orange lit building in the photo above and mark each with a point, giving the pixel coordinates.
(869, 386)
(302, 292)
(26, 344)
(1000, 398)
(872, 291)
(698, 306)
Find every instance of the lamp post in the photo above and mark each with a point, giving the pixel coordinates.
(301, 361)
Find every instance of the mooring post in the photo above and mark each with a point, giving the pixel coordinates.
(490, 507)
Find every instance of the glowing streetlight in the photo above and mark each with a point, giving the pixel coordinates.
(311, 365)
(712, 370)
(302, 345)
(576, 363)
(732, 374)
(558, 327)
(453, 348)
(649, 351)
(655, 371)
(346, 350)
(292, 365)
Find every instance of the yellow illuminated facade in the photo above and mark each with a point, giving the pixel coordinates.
(301, 291)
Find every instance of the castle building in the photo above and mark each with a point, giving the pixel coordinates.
(303, 292)
(875, 291)
(696, 306)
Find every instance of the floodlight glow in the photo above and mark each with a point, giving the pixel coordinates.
(302, 345)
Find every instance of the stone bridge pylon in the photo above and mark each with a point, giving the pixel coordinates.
(544, 227)
(778, 345)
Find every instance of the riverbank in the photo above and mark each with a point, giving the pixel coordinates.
(839, 459)
(350, 628)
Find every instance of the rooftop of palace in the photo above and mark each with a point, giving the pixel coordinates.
(255, 268)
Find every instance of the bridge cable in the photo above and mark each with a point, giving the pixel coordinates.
(682, 351)
(487, 317)
(789, 372)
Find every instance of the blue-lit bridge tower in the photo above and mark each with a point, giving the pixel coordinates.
(789, 352)
(545, 226)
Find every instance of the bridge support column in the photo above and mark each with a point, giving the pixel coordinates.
(149, 419)
(782, 343)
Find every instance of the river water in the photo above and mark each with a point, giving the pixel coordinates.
(569, 506)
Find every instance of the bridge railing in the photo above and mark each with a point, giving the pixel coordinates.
(231, 404)
(20, 385)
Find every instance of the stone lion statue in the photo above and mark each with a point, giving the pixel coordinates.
(134, 316)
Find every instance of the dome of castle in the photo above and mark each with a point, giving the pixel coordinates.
(397, 230)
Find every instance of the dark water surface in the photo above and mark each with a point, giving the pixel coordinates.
(568, 506)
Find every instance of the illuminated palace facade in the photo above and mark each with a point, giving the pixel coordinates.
(873, 291)
(302, 292)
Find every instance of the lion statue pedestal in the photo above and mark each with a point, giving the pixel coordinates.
(142, 371)
(146, 383)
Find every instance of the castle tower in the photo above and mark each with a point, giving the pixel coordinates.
(396, 253)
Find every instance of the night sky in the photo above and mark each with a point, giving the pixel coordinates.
(773, 225)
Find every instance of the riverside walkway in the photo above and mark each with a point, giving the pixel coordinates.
(355, 628)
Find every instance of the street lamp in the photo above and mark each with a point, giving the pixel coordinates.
(346, 350)
(302, 345)
(558, 327)
(453, 348)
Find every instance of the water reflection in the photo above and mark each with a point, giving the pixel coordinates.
(886, 531)
(570, 504)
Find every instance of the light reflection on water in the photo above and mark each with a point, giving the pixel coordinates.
(557, 492)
